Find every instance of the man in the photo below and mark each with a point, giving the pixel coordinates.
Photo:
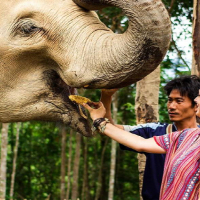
(182, 112)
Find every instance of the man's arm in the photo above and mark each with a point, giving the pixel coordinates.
(126, 138)
(133, 141)
(106, 99)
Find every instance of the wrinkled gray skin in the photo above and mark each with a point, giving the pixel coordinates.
(50, 47)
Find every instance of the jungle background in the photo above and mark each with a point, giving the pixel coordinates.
(50, 161)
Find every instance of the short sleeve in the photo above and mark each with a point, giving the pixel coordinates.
(163, 141)
(130, 128)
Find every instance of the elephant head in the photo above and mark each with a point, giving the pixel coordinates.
(50, 47)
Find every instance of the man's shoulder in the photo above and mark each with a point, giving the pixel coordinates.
(153, 126)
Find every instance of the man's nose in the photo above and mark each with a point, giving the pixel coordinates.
(172, 105)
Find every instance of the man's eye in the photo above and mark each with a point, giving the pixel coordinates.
(179, 101)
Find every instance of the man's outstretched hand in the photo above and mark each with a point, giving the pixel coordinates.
(96, 109)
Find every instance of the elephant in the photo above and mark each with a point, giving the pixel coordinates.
(49, 48)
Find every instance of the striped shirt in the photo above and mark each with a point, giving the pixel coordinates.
(182, 165)
(154, 162)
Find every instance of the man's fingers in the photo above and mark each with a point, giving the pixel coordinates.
(93, 104)
(97, 112)
(86, 106)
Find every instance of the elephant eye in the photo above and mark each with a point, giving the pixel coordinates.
(26, 29)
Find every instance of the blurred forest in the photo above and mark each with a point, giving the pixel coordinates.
(51, 161)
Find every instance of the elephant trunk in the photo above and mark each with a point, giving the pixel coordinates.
(122, 59)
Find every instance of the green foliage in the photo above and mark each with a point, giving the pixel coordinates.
(38, 163)
(126, 104)
(114, 19)
(180, 8)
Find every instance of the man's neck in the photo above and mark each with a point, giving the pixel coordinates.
(186, 124)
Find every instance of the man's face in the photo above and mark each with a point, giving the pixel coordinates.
(180, 107)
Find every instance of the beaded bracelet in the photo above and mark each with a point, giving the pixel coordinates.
(98, 121)
(102, 126)
(97, 126)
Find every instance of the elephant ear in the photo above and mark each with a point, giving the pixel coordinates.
(91, 4)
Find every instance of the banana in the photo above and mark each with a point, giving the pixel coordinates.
(79, 99)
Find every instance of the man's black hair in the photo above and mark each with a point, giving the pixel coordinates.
(186, 85)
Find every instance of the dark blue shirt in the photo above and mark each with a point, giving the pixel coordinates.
(154, 162)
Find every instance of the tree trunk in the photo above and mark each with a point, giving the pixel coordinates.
(4, 143)
(99, 181)
(76, 168)
(113, 153)
(15, 161)
(63, 161)
(195, 36)
(69, 165)
(146, 106)
(85, 192)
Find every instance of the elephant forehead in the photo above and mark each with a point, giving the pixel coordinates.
(27, 6)
(57, 17)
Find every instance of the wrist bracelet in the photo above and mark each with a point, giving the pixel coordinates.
(98, 126)
(102, 126)
(98, 121)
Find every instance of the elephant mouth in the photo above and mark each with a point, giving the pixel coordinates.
(57, 85)
(61, 90)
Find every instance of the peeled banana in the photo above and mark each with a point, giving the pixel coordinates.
(79, 99)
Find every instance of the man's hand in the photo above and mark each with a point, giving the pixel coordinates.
(96, 111)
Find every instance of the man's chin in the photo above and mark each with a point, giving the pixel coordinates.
(173, 119)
